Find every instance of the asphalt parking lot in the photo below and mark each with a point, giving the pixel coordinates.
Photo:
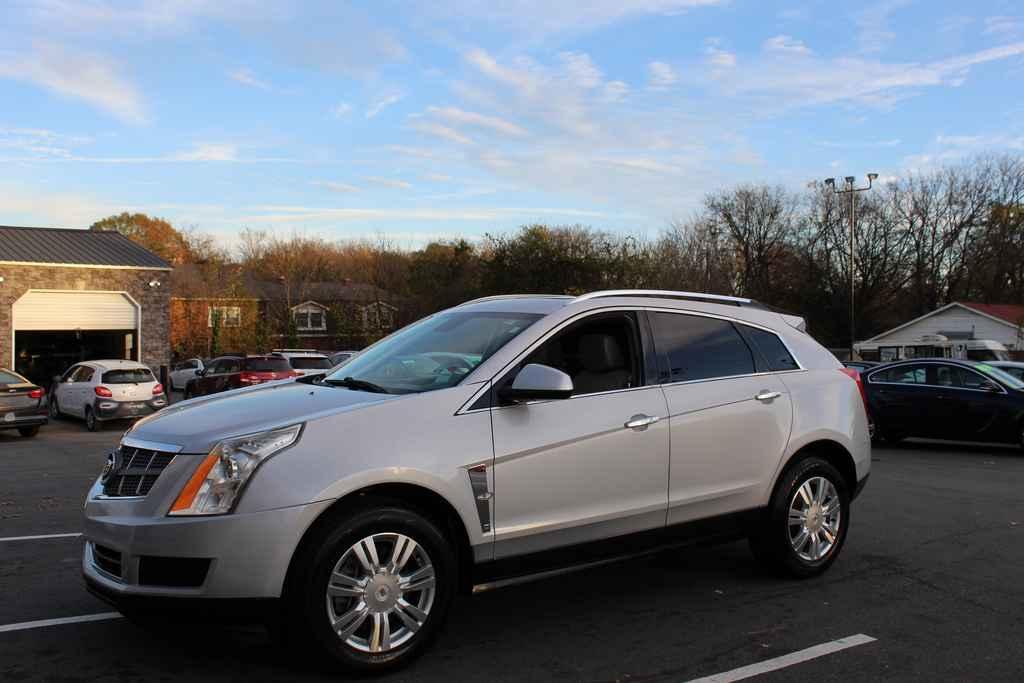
(932, 571)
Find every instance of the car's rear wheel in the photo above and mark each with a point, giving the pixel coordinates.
(28, 432)
(91, 423)
(806, 523)
(54, 407)
(372, 589)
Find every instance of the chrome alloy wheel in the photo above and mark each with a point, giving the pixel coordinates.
(380, 592)
(814, 516)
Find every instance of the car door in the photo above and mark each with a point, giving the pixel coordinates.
(589, 467)
(61, 390)
(902, 400)
(81, 390)
(204, 383)
(979, 408)
(729, 422)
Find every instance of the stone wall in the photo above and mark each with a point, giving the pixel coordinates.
(154, 301)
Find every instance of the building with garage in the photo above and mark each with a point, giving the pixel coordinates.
(72, 295)
(961, 329)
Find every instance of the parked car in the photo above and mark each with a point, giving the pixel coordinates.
(1010, 367)
(495, 440)
(234, 372)
(102, 390)
(339, 357)
(306, 362)
(182, 372)
(860, 365)
(22, 405)
(945, 398)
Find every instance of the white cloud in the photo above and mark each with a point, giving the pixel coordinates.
(1004, 26)
(437, 177)
(248, 78)
(493, 123)
(786, 44)
(719, 58)
(615, 91)
(581, 69)
(341, 110)
(392, 183)
(381, 104)
(873, 21)
(661, 76)
(84, 76)
(443, 132)
(335, 186)
(209, 151)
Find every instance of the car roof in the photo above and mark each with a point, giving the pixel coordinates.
(1006, 363)
(114, 364)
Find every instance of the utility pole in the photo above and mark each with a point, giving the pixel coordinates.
(851, 189)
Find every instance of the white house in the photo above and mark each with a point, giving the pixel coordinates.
(961, 329)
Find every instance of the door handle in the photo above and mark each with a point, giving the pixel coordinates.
(640, 422)
(768, 396)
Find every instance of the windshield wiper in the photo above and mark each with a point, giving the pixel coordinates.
(358, 385)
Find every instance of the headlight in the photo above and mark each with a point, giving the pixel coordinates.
(216, 483)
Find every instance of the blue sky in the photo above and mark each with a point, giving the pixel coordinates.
(425, 120)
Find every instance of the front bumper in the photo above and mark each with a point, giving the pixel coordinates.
(109, 409)
(244, 555)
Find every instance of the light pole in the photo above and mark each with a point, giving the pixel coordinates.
(851, 189)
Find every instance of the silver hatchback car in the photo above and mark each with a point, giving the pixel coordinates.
(488, 443)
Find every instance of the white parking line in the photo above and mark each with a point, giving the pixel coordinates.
(37, 538)
(782, 662)
(43, 623)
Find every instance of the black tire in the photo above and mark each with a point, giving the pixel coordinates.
(771, 542)
(28, 432)
(55, 413)
(305, 620)
(91, 423)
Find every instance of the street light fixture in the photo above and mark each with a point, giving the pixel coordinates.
(852, 190)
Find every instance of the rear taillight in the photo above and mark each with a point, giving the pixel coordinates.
(36, 393)
(103, 392)
(158, 389)
(855, 376)
(249, 378)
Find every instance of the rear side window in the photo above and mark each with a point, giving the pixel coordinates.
(771, 347)
(130, 376)
(10, 378)
(310, 363)
(267, 365)
(84, 374)
(700, 348)
(913, 374)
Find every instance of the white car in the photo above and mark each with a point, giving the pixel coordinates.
(182, 372)
(306, 361)
(102, 390)
(1014, 368)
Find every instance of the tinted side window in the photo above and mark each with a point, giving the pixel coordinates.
(84, 374)
(700, 348)
(913, 374)
(771, 347)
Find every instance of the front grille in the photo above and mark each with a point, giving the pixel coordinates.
(135, 471)
(107, 560)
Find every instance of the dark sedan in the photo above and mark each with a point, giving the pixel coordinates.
(21, 404)
(945, 399)
(233, 372)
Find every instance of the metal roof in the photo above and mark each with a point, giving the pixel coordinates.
(75, 248)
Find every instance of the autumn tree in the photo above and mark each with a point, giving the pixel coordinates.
(154, 234)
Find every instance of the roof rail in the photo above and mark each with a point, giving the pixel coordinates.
(497, 297)
(668, 294)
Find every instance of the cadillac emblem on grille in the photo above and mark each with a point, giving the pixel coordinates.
(109, 466)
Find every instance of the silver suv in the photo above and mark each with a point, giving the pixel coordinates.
(487, 443)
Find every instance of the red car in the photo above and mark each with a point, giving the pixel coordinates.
(233, 372)
(22, 405)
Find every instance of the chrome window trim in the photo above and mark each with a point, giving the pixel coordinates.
(486, 384)
(909, 363)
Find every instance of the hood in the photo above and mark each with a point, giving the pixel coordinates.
(197, 425)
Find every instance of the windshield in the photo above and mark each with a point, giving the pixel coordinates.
(1001, 375)
(131, 376)
(435, 353)
(310, 363)
(267, 365)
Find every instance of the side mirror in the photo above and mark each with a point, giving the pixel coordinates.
(200, 372)
(537, 382)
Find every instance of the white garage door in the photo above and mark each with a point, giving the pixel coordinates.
(75, 311)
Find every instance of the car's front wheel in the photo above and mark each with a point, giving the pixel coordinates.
(372, 589)
(28, 432)
(804, 528)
